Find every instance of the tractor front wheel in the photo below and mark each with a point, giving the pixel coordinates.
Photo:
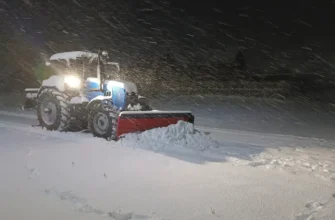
(102, 121)
(53, 110)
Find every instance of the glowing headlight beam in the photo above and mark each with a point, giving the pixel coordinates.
(72, 81)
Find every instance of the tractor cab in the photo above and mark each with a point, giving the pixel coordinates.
(91, 69)
(83, 64)
(78, 72)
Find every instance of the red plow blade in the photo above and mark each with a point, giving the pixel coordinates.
(138, 121)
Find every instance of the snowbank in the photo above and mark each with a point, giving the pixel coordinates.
(181, 134)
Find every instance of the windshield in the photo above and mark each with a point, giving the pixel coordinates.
(112, 70)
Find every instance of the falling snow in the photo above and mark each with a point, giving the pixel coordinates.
(258, 77)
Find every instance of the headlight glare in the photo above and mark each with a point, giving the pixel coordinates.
(72, 81)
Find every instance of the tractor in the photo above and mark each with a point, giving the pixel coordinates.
(81, 92)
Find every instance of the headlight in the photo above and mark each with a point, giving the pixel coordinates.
(72, 81)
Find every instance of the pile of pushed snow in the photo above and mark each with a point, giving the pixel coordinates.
(181, 134)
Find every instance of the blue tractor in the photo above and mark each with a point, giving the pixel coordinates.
(82, 93)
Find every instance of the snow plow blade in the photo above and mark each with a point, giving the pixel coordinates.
(138, 121)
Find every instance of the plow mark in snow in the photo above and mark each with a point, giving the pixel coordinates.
(80, 205)
(318, 210)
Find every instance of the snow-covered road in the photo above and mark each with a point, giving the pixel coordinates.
(237, 175)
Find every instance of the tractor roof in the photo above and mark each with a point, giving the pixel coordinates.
(73, 55)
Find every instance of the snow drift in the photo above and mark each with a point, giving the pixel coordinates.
(181, 134)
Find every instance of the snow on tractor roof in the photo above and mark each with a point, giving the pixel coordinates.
(73, 55)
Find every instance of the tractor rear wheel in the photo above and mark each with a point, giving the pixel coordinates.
(102, 121)
(53, 111)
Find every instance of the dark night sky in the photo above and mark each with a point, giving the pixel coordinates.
(273, 33)
(304, 21)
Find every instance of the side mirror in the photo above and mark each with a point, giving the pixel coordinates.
(115, 64)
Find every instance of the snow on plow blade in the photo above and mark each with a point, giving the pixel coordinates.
(137, 121)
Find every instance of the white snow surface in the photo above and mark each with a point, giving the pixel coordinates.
(73, 55)
(178, 172)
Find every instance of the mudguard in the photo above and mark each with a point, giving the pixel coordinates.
(98, 99)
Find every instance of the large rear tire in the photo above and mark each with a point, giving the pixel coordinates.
(53, 111)
(102, 121)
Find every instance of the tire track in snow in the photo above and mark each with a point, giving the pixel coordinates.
(33, 172)
(66, 136)
(19, 114)
(318, 210)
(81, 205)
